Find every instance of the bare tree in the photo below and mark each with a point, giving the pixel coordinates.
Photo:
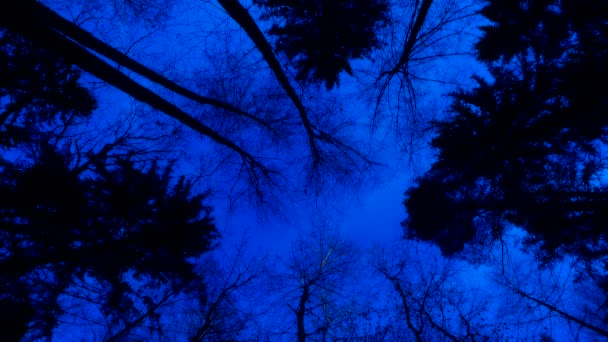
(212, 307)
(52, 31)
(223, 312)
(550, 295)
(317, 286)
(423, 35)
(430, 302)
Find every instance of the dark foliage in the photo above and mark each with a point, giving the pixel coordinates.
(60, 223)
(36, 87)
(58, 226)
(526, 148)
(323, 36)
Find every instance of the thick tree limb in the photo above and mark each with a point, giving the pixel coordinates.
(45, 17)
(40, 33)
(242, 17)
(99, 68)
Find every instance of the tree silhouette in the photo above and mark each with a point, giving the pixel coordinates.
(317, 286)
(525, 149)
(536, 297)
(323, 36)
(39, 87)
(59, 226)
(46, 28)
(430, 303)
(70, 216)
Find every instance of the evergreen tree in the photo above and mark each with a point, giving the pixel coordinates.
(323, 36)
(36, 87)
(60, 222)
(525, 149)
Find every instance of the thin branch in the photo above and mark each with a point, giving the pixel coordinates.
(30, 11)
(553, 308)
(246, 22)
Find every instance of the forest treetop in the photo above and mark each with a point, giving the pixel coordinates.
(526, 148)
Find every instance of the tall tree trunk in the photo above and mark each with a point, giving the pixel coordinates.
(301, 312)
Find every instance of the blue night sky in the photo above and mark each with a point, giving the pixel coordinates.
(198, 45)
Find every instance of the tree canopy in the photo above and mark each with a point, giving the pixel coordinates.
(81, 208)
(71, 215)
(525, 148)
(323, 36)
(106, 229)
